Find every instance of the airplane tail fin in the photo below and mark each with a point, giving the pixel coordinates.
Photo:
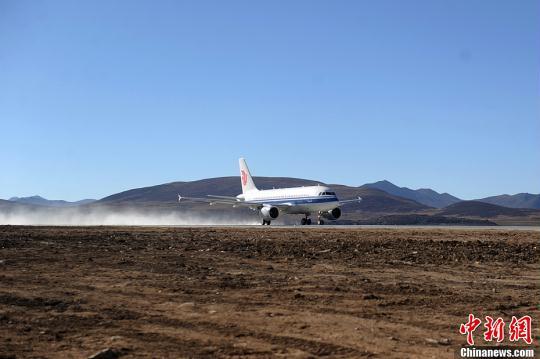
(245, 177)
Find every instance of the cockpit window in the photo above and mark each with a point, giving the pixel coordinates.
(327, 194)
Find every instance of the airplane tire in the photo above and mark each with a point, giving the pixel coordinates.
(308, 221)
(320, 222)
(303, 221)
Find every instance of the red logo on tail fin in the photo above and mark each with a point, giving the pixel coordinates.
(243, 174)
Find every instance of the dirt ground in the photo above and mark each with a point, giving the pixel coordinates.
(258, 292)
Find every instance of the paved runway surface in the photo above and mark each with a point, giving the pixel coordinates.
(397, 227)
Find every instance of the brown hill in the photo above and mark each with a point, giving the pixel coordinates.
(481, 209)
(221, 186)
(373, 200)
(520, 200)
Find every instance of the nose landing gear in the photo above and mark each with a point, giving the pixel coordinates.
(320, 221)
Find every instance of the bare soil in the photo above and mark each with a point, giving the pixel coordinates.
(258, 292)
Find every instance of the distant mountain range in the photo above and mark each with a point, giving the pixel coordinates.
(40, 201)
(373, 200)
(382, 202)
(520, 200)
(380, 198)
(482, 209)
(425, 196)
(434, 199)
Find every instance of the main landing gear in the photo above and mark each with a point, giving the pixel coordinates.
(307, 221)
(265, 222)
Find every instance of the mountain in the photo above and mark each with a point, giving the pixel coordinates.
(373, 200)
(6, 206)
(425, 196)
(222, 186)
(160, 201)
(38, 200)
(482, 209)
(520, 200)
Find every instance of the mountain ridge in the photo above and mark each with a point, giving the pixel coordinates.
(483, 209)
(425, 196)
(373, 200)
(38, 200)
(519, 200)
(382, 196)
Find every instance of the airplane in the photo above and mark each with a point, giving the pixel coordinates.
(270, 203)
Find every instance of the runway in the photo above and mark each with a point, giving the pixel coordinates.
(352, 227)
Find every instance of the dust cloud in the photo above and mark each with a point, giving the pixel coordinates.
(97, 216)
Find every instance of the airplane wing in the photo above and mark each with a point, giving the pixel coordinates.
(347, 201)
(211, 200)
(222, 197)
(232, 201)
(224, 200)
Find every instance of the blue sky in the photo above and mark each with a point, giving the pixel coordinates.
(97, 97)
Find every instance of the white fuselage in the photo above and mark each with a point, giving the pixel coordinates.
(296, 200)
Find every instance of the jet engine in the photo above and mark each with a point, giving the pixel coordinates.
(269, 213)
(332, 214)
